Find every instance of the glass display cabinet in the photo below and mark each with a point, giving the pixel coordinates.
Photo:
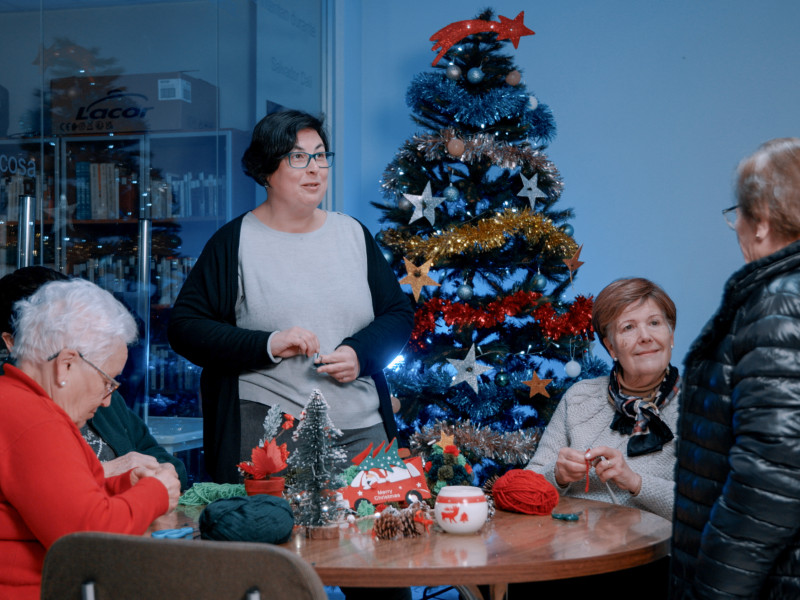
(122, 125)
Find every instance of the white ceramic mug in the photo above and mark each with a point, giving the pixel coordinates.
(461, 509)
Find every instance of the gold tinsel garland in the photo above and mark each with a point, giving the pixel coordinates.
(484, 236)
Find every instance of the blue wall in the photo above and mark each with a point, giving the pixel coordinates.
(655, 102)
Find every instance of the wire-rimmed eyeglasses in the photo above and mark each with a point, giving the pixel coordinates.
(112, 385)
(300, 160)
(731, 214)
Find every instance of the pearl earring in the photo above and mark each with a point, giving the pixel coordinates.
(62, 383)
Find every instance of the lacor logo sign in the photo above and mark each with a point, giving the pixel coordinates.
(97, 110)
(13, 165)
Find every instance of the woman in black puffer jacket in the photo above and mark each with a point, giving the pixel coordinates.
(737, 506)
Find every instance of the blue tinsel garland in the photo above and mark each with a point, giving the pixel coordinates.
(448, 98)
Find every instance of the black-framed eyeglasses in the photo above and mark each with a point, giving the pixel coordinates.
(300, 160)
(731, 214)
(112, 385)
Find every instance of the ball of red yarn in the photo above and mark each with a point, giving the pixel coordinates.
(524, 491)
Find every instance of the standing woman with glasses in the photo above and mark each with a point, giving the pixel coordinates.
(287, 298)
(70, 344)
(737, 508)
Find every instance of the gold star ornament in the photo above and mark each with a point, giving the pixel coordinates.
(446, 440)
(537, 385)
(417, 276)
(573, 263)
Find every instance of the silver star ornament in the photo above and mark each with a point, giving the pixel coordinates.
(530, 188)
(468, 370)
(424, 205)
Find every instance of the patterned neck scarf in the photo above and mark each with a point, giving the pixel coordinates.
(640, 417)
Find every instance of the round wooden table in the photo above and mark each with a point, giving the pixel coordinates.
(510, 548)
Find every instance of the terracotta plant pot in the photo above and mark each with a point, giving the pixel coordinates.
(273, 486)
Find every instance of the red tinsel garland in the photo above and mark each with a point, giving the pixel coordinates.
(577, 320)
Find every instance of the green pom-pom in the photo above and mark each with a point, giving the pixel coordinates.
(365, 509)
(349, 474)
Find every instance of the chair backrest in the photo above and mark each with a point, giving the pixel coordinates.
(125, 567)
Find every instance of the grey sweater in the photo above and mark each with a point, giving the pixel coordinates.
(582, 421)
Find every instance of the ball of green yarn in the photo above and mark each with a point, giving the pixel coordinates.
(260, 518)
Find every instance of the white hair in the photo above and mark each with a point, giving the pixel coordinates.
(72, 314)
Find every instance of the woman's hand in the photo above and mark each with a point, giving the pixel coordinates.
(294, 341)
(341, 364)
(167, 475)
(129, 461)
(610, 465)
(570, 466)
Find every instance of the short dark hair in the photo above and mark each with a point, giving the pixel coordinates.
(620, 294)
(19, 285)
(273, 137)
(768, 187)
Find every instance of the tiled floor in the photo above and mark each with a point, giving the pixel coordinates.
(417, 593)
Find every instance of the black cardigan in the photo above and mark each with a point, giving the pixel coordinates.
(737, 505)
(203, 328)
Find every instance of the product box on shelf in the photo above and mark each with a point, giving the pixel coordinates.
(132, 103)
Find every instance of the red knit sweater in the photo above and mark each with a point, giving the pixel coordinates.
(52, 484)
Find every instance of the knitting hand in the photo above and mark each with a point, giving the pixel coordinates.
(128, 461)
(610, 465)
(294, 341)
(167, 475)
(570, 466)
(341, 364)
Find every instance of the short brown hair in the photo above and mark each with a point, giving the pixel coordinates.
(768, 187)
(620, 294)
(273, 137)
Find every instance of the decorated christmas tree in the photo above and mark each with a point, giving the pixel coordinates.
(472, 226)
(314, 462)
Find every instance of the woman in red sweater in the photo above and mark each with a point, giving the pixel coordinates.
(71, 342)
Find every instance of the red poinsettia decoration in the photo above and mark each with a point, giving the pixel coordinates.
(265, 460)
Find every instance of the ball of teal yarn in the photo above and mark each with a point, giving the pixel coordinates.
(261, 518)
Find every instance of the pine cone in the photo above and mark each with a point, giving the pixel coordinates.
(489, 484)
(388, 526)
(409, 527)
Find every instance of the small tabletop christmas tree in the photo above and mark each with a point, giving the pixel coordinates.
(314, 461)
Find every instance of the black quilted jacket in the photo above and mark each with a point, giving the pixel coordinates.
(737, 507)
